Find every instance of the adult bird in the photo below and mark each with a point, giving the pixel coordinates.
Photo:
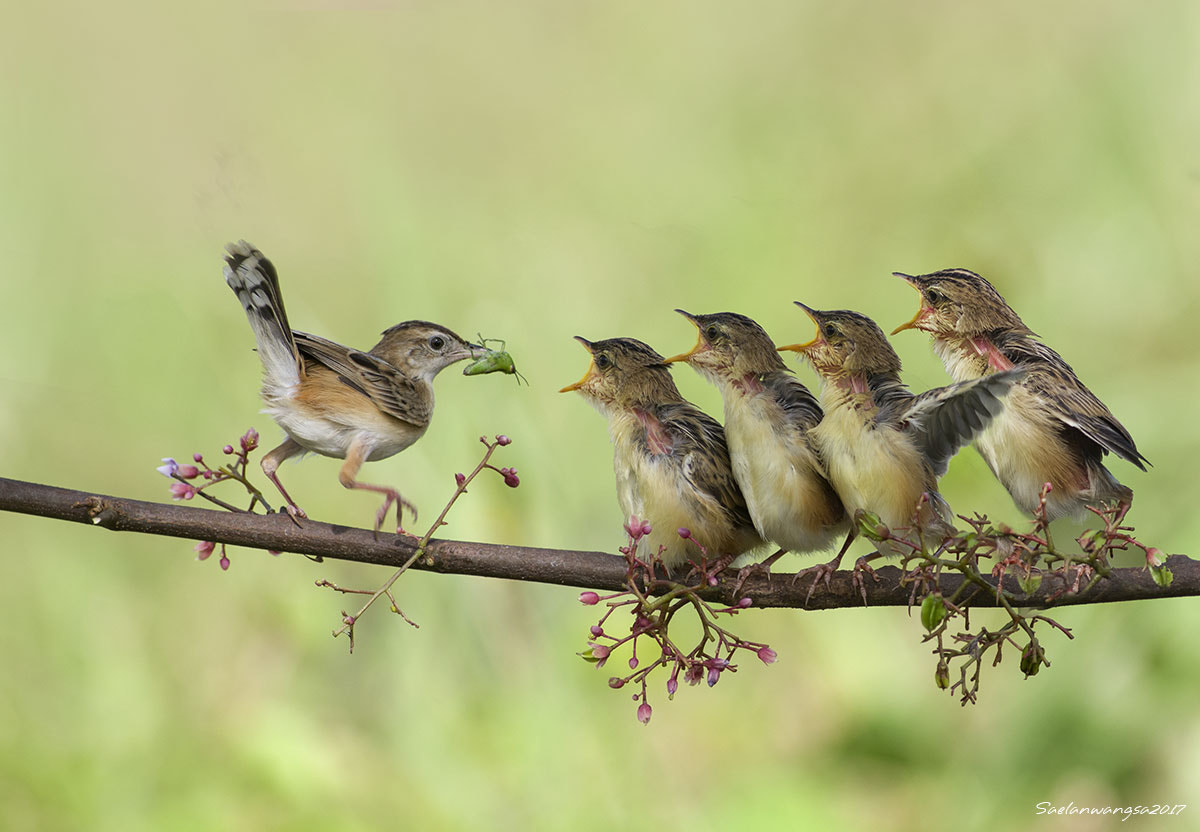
(769, 416)
(334, 400)
(670, 458)
(1053, 428)
(885, 448)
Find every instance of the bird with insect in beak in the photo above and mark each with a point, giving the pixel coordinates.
(1053, 428)
(670, 458)
(334, 400)
(883, 447)
(768, 417)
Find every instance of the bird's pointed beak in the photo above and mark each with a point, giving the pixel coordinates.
(591, 370)
(807, 345)
(701, 345)
(921, 313)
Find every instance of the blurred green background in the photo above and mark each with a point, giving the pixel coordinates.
(534, 171)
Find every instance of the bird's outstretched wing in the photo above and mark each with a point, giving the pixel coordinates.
(392, 392)
(946, 418)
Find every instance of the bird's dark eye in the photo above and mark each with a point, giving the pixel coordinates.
(934, 296)
(437, 342)
(711, 333)
(602, 361)
(830, 330)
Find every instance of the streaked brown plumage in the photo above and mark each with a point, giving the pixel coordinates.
(670, 458)
(768, 416)
(882, 446)
(337, 401)
(1053, 429)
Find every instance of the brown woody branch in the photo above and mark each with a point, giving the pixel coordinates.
(590, 570)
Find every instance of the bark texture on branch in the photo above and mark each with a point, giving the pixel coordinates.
(589, 570)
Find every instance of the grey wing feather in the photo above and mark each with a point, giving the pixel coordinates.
(700, 442)
(392, 392)
(1056, 384)
(800, 406)
(945, 419)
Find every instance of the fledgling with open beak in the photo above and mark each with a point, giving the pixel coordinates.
(334, 400)
(1053, 428)
(884, 447)
(670, 458)
(768, 417)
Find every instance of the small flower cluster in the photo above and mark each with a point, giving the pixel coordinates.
(191, 480)
(1028, 559)
(653, 605)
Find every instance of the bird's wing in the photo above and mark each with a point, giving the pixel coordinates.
(1055, 383)
(699, 441)
(392, 392)
(946, 418)
(800, 406)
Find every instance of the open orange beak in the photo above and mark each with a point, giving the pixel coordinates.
(591, 370)
(700, 343)
(922, 313)
(807, 345)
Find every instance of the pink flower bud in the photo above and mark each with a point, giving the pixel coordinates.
(643, 713)
(589, 598)
(189, 472)
(633, 662)
(600, 651)
(182, 491)
(273, 552)
(616, 682)
(672, 686)
(684, 533)
(503, 440)
(169, 469)
(745, 602)
(597, 630)
(224, 561)
(348, 619)
(1154, 556)
(459, 479)
(203, 549)
(714, 676)
(510, 477)
(767, 655)
(197, 457)
(228, 449)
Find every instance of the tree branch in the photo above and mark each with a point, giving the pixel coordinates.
(590, 570)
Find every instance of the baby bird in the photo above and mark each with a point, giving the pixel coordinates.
(670, 458)
(333, 400)
(1053, 428)
(882, 446)
(768, 416)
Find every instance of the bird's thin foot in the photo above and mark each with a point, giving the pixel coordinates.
(297, 514)
(820, 572)
(862, 566)
(745, 572)
(393, 497)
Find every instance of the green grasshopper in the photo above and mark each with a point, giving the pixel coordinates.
(496, 361)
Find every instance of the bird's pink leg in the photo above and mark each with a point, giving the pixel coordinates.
(271, 463)
(355, 456)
